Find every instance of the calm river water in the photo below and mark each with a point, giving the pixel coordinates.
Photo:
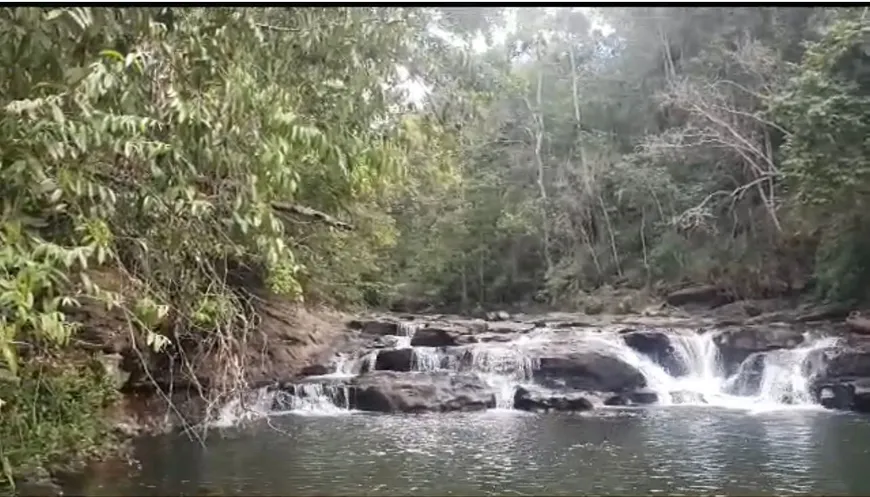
(668, 450)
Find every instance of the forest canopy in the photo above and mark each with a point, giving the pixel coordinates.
(195, 150)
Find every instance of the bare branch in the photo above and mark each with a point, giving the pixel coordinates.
(301, 210)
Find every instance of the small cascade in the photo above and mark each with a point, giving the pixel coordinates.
(406, 334)
(429, 359)
(784, 376)
(252, 405)
(699, 354)
(504, 368)
(313, 398)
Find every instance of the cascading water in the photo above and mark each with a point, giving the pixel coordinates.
(780, 375)
(773, 379)
(316, 398)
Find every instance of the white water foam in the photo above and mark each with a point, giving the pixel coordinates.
(316, 398)
(781, 380)
(252, 405)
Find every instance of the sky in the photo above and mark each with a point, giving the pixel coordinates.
(417, 90)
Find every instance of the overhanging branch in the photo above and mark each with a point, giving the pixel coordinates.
(301, 210)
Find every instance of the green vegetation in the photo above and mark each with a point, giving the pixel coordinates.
(49, 416)
(169, 163)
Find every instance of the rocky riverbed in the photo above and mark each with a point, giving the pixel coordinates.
(572, 362)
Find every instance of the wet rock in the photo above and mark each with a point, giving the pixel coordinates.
(441, 336)
(375, 326)
(571, 324)
(824, 313)
(395, 360)
(469, 339)
(657, 346)
(534, 399)
(315, 370)
(511, 327)
(857, 323)
(617, 400)
(643, 396)
(852, 395)
(387, 391)
(707, 294)
(498, 316)
(747, 380)
(589, 371)
(837, 363)
(476, 325)
(737, 344)
(488, 338)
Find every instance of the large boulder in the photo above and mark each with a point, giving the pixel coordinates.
(440, 336)
(844, 394)
(395, 360)
(840, 376)
(388, 391)
(641, 396)
(375, 326)
(838, 363)
(657, 346)
(538, 399)
(737, 344)
(591, 370)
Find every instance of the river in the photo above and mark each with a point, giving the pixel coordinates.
(624, 451)
(704, 430)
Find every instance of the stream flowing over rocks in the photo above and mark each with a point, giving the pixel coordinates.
(564, 362)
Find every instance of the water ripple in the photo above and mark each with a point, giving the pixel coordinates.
(609, 452)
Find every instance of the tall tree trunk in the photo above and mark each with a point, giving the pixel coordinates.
(581, 153)
(539, 161)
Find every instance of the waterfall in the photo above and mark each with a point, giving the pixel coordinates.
(315, 398)
(775, 378)
(765, 380)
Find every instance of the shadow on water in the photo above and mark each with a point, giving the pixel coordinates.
(687, 450)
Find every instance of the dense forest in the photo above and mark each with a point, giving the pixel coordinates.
(165, 161)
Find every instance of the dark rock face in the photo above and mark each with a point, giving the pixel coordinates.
(387, 391)
(436, 337)
(737, 344)
(315, 370)
(852, 395)
(535, 399)
(841, 377)
(641, 396)
(395, 360)
(589, 371)
(375, 326)
(657, 346)
(840, 362)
